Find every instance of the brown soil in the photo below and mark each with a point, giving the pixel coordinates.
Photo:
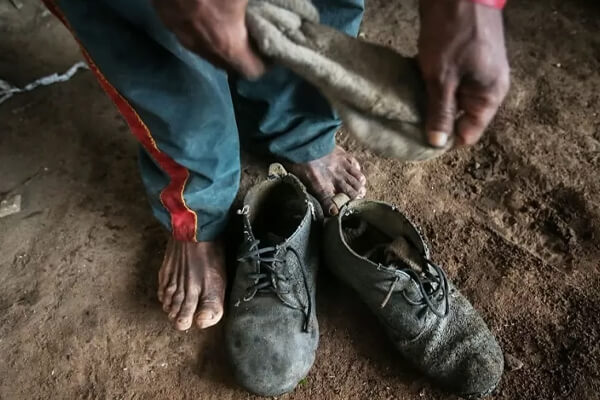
(515, 221)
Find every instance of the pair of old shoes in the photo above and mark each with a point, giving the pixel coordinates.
(272, 329)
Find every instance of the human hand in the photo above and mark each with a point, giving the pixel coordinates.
(463, 60)
(214, 29)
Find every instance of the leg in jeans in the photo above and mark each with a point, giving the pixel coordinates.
(179, 108)
(285, 116)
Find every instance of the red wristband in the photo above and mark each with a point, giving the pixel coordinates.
(499, 4)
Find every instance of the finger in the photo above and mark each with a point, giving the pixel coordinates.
(228, 50)
(191, 43)
(471, 125)
(441, 111)
(247, 62)
(479, 106)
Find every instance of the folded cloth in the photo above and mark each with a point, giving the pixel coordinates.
(378, 93)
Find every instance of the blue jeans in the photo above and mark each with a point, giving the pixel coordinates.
(190, 116)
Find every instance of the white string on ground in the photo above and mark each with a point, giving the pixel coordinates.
(8, 90)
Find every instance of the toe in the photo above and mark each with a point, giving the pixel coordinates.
(329, 206)
(168, 296)
(354, 162)
(355, 183)
(362, 192)
(167, 274)
(358, 175)
(185, 317)
(176, 303)
(343, 186)
(177, 298)
(325, 196)
(210, 311)
(352, 167)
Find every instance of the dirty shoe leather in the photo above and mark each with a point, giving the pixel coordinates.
(271, 329)
(378, 252)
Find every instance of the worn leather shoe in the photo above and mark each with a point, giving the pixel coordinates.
(377, 251)
(271, 328)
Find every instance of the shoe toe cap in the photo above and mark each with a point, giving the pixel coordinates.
(273, 363)
(479, 374)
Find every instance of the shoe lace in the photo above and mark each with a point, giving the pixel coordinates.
(433, 287)
(268, 276)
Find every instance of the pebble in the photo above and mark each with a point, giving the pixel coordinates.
(10, 205)
(512, 362)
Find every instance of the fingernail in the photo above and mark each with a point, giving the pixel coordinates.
(438, 138)
(332, 210)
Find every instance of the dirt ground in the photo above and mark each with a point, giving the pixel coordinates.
(515, 221)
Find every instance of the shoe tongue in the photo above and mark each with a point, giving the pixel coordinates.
(272, 239)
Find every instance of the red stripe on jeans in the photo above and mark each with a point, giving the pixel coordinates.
(184, 221)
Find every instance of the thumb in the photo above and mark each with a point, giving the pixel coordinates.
(244, 58)
(441, 112)
(249, 63)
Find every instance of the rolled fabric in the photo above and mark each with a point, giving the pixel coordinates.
(378, 93)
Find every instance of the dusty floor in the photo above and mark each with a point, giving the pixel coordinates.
(515, 221)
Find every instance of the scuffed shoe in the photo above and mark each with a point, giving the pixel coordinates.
(271, 328)
(377, 251)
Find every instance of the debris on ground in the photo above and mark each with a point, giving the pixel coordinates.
(512, 362)
(11, 205)
(7, 90)
(17, 4)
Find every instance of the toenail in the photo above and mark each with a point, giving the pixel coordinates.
(206, 315)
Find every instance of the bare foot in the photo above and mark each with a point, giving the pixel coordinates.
(335, 173)
(191, 283)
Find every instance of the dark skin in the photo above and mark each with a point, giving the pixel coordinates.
(463, 61)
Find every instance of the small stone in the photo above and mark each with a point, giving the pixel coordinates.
(10, 205)
(516, 202)
(512, 362)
